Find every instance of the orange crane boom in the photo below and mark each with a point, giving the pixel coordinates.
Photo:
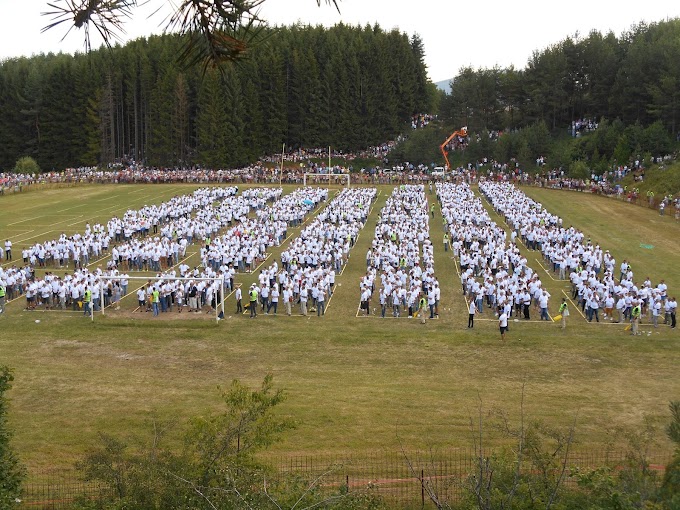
(461, 132)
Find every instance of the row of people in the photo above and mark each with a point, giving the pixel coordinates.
(591, 269)
(139, 253)
(79, 249)
(400, 261)
(494, 274)
(311, 262)
(245, 244)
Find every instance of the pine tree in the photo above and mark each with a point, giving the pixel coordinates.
(211, 122)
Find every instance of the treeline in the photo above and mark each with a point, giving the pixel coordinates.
(349, 87)
(634, 78)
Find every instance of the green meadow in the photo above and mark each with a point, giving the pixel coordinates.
(354, 384)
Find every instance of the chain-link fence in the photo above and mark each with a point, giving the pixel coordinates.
(394, 476)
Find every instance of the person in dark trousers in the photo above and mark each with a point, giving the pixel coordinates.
(239, 297)
(471, 317)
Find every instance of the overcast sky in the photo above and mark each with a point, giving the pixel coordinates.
(455, 34)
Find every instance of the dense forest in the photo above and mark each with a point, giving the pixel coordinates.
(349, 87)
(634, 78)
(584, 105)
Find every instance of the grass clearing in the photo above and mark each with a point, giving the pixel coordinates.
(354, 385)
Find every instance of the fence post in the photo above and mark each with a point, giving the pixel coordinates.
(422, 488)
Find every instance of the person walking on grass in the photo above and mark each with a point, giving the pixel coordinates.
(503, 323)
(564, 312)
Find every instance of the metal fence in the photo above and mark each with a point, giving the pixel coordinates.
(394, 476)
(57, 489)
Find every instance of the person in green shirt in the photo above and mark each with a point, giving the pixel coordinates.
(564, 312)
(87, 301)
(422, 305)
(253, 294)
(2, 297)
(446, 241)
(635, 319)
(155, 300)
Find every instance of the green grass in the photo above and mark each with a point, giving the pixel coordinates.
(662, 180)
(354, 384)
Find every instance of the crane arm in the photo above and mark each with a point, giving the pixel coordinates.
(461, 132)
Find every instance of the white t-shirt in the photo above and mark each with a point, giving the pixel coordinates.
(503, 320)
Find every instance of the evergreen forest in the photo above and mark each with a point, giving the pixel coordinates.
(634, 78)
(349, 87)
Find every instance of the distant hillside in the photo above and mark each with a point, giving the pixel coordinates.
(444, 85)
(662, 180)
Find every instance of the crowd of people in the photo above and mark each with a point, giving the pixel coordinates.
(310, 263)
(236, 232)
(581, 126)
(400, 261)
(590, 268)
(421, 120)
(153, 238)
(494, 274)
(244, 246)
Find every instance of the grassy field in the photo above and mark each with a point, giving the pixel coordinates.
(354, 384)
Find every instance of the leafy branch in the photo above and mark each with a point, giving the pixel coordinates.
(216, 31)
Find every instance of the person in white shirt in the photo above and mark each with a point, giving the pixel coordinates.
(471, 314)
(656, 311)
(179, 299)
(321, 302)
(673, 307)
(264, 296)
(609, 307)
(303, 302)
(274, 299)
(287, 299)
(543, 305)
(238, 294)
(503, 323)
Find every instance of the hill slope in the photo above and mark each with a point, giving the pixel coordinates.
(662, 180)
